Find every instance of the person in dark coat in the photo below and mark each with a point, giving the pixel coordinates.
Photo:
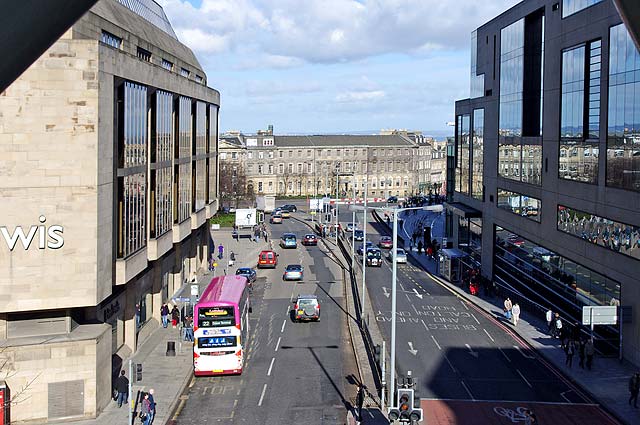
(122, 387)
(152, 406)
(634, 389)
(164, 312)
(175, 316)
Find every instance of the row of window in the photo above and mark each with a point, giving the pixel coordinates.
(322, 185)
(519, 204)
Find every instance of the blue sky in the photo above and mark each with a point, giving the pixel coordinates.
(334, 66)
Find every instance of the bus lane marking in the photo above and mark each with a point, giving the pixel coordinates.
(278, 343)
(271, 366)
(490, 337)
(264, 390)
(523, 378)
(475, 318)
(283, 325)
(505, 355)
(468, 391)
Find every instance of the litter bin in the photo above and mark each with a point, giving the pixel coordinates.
(171, 348)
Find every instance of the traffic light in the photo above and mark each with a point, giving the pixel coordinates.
(405, 410)
(138, 372)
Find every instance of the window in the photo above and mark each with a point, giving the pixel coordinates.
(517, 203)
(290, 154)
(270, 154)
(299, 168)
(477, 154)
(110, 39)
(289, 168)
(462, 160)
(249, 155)
(309, 169)
(260, 155)
(143, 54)
(200, 176)
(280, 168)
(184, 72)
(162, 152)
(260, 170)
(260, 187)
(569, 7)
(623, 128)
(234, 155)
(199, 79)
(477, 81)
(270, 169)
(280, 154)
(167, 64)
(249, 168)
(308, 153)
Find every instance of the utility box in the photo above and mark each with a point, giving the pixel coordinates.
(5, 404)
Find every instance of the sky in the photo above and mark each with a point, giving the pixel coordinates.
(334, 66)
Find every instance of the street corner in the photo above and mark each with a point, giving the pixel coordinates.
(449, 412)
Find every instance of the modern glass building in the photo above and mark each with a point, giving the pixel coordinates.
(550, 220)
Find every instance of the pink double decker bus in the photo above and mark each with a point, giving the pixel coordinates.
(221, 327)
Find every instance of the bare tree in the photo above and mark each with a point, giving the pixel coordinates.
(233, 183)
(8, 371)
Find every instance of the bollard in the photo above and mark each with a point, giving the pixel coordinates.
(171, 348)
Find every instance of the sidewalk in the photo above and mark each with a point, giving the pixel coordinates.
(169, 376)
(606, 382)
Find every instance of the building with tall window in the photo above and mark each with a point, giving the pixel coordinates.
(534, 204)
(109, 174)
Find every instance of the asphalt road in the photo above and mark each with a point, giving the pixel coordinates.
(295, 372)
(463, 356)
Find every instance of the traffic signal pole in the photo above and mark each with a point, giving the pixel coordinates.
(130, 398)
(394, 275)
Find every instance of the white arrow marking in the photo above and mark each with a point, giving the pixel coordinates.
(473, 353)
(386, 292)
(526, 356)
(411, 350)
(417, 294)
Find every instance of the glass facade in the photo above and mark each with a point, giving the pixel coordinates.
(462, 153)
(547, 278)
(132, 147)
(200, 151)
(477, 150)
(161, 179)
(580, 113)
(511, 79)
(569, 7)
(613, 235)
(477, 81)
(520, 204)
(213, 151)
(623, 132)
(182, 204)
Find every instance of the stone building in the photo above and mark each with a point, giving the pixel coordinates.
(108, 155)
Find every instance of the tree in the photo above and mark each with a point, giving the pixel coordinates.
(233, 183)
(7, 371)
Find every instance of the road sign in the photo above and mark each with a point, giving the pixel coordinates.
(601, 315)
(181, 299)
(246, 217)
(195, 290)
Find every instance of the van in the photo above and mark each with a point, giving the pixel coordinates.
(267, 259)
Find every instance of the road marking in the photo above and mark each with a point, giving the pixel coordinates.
(415, 309)
(264, 389)
(411, 349)
(278, 343)
(490, 337)
(473, 353)
(283, 323)
(434, 340)
(464, 304)
(450, 365)
(401, 287)
(408, 299)
(468, 391)
(525, 379)
(233, 411)
(505, 356)
(271, 366)
(526, 356)
(563, 395)
(475, 318)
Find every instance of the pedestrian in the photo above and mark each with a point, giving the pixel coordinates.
(212, 261)
(589, 350)
(164, 312)
(188, 328)
(220, 251)
(122, 387)
(175, 316)
(152, 406)
(634, 388)
(516, 313)
(558, 326)
(581, 352)
(145, 410)
(570, 350)
(429, 251)
(549, 317)
(194, 277)
(419, 247)
(530, 417)
(138, 313)
(265, 235)
(508, 306)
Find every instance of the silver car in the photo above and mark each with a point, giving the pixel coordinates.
(401, 256)
(293, 272)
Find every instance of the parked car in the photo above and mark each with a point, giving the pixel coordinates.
(401, 256)
(306, 307)
(385, 242)
(392, 200)
(249, 273)
(310, 239)
(288, 240)
(267, 259)
(289, 207)
(276, 219)
(369, 244)
(293, 272)
(358, 235)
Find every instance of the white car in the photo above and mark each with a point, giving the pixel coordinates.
(401, 256)
(351, 227)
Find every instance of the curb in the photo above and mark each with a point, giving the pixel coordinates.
(171, 420)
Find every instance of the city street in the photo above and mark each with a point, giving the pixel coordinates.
(295, 372)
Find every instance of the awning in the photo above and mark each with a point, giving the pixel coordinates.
(462, 210)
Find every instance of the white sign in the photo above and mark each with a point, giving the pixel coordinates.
(602, 315)
(195, 290)
(246, 217)
(48, 237)
(316, 204)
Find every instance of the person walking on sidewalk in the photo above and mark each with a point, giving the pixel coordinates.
(634, 389)
(419, 247)
(145, 410)
(175, 316)
(516, 313)
(220, 251)
(581, 352)
(122, 387)
(557, 326)
(265, 235)
(570, 350)
(164, 313)
(152, 406)
(589, 350)
(549, 317)
(508, 306)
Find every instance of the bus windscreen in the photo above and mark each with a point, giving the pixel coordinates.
(217, 342)
(215, 317)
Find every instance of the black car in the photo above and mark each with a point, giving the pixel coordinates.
(247, 272)
(289, 207)
(358, 235)
(392, 200)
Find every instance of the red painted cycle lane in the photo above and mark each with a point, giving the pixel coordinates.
(467, 412)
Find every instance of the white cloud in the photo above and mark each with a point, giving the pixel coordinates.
(360, 96)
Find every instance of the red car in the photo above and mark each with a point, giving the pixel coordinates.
(267, 259)
(310, 239)
(385, 242)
